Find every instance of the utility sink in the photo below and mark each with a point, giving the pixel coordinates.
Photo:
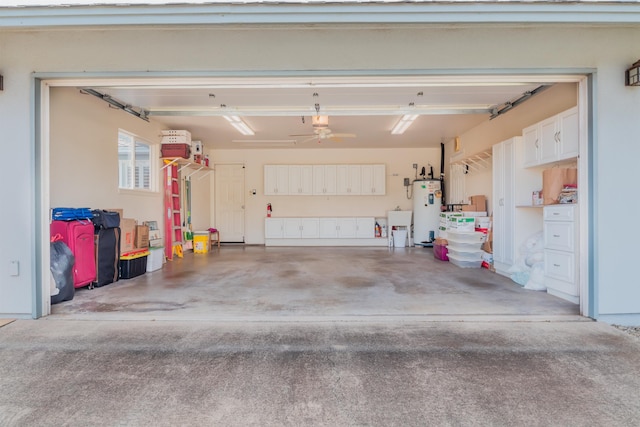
(402, 218)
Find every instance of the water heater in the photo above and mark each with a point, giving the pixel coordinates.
(427, 203)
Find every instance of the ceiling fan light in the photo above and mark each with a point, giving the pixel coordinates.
(403, 124)
(320, 121)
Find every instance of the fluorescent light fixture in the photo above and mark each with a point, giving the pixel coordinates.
(403, 124)
(240, 125)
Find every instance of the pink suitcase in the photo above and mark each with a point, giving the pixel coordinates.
(78, 235)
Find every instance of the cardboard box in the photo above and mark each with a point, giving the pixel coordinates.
(128, 235)
(142, 236)
(469, 208)
(480, 202)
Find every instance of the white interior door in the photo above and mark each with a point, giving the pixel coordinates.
(229, 199)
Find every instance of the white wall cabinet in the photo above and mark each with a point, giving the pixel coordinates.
(300, 180)
(561, 251)
(373, 180)
(514, 219)
(349, 178)
(324, 180)
(276, 180)
(553, 139)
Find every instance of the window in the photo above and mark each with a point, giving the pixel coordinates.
(136, 171)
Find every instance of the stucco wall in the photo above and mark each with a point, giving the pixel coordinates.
(480, 48)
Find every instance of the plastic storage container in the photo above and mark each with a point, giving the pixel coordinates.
(465, 240)
(464, 263)
(133, 264)
(155, 258)
(466, 254)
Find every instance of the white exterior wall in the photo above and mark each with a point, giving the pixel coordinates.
(492, 47)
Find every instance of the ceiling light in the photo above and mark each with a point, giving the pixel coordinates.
(403, 124)
(240, 125)
(320, 121)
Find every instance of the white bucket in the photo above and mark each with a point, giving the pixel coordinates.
(399, 238)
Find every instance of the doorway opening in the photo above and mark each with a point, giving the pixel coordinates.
(235, 216)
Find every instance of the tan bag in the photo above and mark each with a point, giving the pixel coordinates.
(554, 179)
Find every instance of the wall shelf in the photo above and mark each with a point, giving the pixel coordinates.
(184, 164)
(475, 162)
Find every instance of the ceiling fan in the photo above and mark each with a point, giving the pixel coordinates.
(322, 132)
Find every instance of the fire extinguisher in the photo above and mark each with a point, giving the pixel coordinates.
(269, 210)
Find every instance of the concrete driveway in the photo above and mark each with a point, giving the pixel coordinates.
(56, 372)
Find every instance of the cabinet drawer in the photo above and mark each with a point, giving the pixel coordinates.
(559, 236)
(560, 265)
(560, 212)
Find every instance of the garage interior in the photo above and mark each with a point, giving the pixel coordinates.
(245, 278)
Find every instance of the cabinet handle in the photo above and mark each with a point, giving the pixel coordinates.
(536, 143)
(556, 235)
(556, 265)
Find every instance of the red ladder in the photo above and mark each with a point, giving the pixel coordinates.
(172, 221)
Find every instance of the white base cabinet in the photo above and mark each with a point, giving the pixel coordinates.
(329, 231)
(561, 251)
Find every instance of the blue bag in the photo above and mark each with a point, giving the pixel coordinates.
(70, 214)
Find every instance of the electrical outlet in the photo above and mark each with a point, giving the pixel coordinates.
(406, 182)
(415, 166)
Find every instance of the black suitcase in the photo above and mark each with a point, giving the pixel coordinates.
(107, 243)
(105, 219)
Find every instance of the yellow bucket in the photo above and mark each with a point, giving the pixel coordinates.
(201, 242)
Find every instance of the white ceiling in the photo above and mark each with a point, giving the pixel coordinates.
(278, 108)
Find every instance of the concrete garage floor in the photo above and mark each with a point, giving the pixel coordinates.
(257, 282)
(352, 337)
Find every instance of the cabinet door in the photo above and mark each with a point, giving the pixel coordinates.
(568, 134)
(365, 228)
(498, 202)
(295, 180)
(509, 179)
(273, 228)
(530, 141)
(310, 228)
(373, 180)
(300, 180)
(380, 179)
(276, 180)
(548, 140)
(348, 180)
(328, 228)
(347, 228)
(324, 179)
(503, 202)
(292, 228)
(270, 180)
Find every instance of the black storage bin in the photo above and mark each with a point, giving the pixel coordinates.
(133, 265)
